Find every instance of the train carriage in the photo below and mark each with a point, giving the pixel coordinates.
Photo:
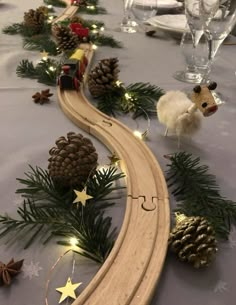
(73, 71)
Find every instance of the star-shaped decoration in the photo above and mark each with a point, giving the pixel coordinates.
(68, 290)
(82, 196)
(114, 159)
(44, 55)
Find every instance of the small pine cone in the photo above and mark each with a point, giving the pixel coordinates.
(34, 20)
(193, 240)
(103, 76)
(72, 161)
(77, 19)
(65, 38)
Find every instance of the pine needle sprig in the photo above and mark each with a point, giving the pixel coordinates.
(138, 98)
(48, 212)
(39, 43)
(198, 194)
(13, 29)
(26, 69)
(94, 11)
(105, 40)
(57, 3)
(87, 23)
(144, 96)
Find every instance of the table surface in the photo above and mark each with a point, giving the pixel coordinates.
(28, 131)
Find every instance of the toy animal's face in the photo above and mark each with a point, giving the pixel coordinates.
(204, 99)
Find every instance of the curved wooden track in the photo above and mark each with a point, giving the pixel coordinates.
(132, 270)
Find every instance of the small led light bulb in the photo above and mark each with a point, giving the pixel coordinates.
(73, 241)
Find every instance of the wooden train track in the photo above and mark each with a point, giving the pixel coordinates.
(131, 272)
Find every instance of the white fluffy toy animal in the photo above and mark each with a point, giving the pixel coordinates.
(179, 113)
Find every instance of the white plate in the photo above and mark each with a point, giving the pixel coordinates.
(174, 23)
(162, 4)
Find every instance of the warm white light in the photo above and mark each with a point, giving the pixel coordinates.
(102, 29)
(118, 83)
(128, 96)
(50, 18)
(50, 6)
(51, 68)
(91, 7)
(95, 31)
(94, 26)
(94, 47)
(44, 58)
(138, 134)
(73, 241)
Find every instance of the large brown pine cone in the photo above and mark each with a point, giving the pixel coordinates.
(103, 76)
(34, 20)
(73, 160)
(193, 240)
(65, 38)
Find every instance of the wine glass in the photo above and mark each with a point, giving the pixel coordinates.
(196, 59)
(217, 29)
(128, 25)
(144, 9)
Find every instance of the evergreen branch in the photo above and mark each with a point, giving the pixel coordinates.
(104, 40)
(87, 23)
(15, 28)
(139, 98)
(144, 97)
(40, 43)
(95, 11)
(57, 3)
(26, 69)
(198, 194)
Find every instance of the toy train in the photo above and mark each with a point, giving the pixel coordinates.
(73, 70)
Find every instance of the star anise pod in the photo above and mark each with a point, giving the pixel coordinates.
(9, 270)
(42, 97)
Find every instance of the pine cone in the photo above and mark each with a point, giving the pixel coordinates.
(34, 20)
(103, 76)
(72, 161)
(193, 240)
(76, 19)
(43, 9)
(65, 38)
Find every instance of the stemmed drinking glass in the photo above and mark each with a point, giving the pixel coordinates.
(128, 25)
(217, 29)
(143, 10)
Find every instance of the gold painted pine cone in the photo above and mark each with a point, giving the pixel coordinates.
(103, 76)
(72, 161)
(193, 240)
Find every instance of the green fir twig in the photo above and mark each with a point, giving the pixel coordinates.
(57, 3)
(94, 11)
(40, 43)
(105, 40)
(138, 98)
(48, 211)
(198, 194)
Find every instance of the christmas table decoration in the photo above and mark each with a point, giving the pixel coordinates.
(193, 240)
(198, 194)
(49, 207)
(113, 96)
(9, 270)
(43, 97)
(178, 112)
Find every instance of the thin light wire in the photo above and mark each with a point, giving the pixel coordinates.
(51, 271)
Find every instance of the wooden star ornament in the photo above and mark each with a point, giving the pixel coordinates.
(82, 196)
(114, 159)
(68, 290)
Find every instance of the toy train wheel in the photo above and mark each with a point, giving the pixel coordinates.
(76, 84)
